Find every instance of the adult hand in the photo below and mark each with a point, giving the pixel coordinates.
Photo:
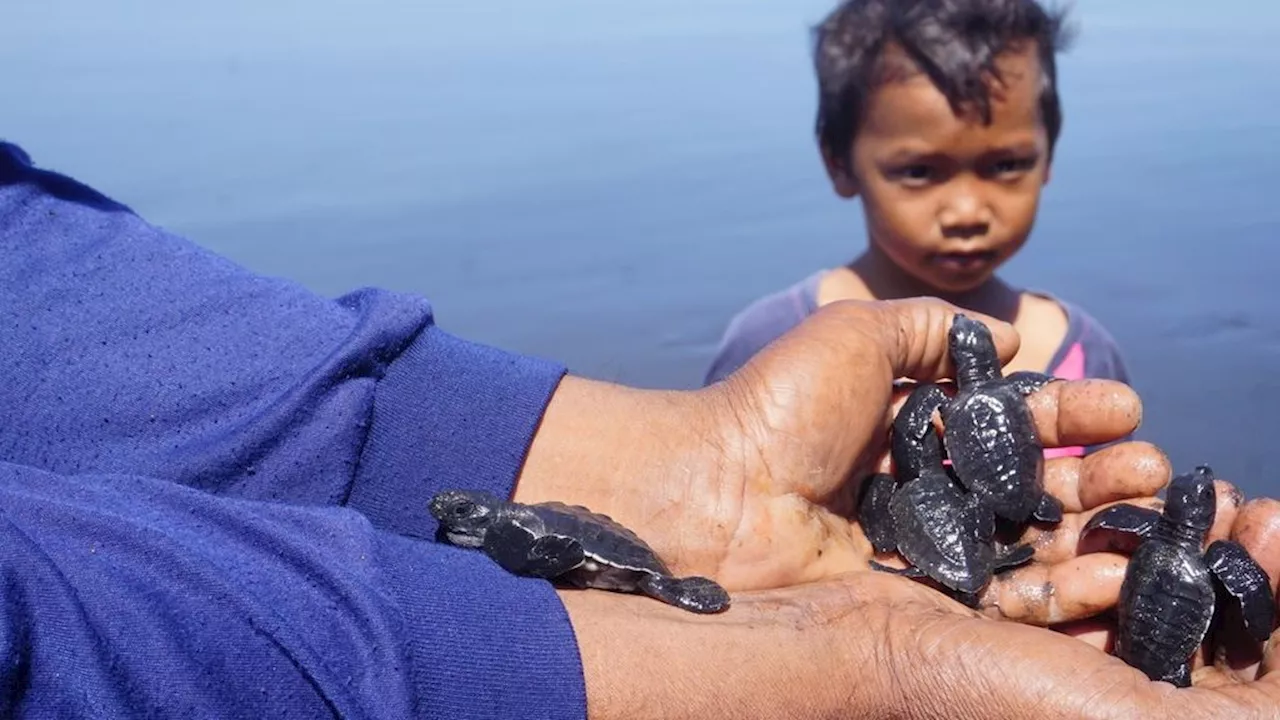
(873, 645)
(752, 480)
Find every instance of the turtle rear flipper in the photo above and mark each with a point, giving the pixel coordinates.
(519, 553)
(1130, 524)
(1179, 676)
(1245, 581)
(874, 512)
(695, 594)
(910, 571)
(1027, 381)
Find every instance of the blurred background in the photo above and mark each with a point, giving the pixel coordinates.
(606, 183)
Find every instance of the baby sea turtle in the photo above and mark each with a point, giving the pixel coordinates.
(942, 531)
(1168, 595)
(567, 544)
(989, 433)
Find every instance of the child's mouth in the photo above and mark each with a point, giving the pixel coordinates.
(967, 262)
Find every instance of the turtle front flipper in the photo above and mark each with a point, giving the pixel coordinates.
(1027, 382)
(875, 514)
(695, 594)
(1247, 582)
(915, 444)
(1049, 510)
(1131, 524)
(553, 556)
(1011, 557)
(519, 553)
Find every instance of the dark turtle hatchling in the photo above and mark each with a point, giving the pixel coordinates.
(1168, 595)
(942, 531)
(569, 545)
(989, 433)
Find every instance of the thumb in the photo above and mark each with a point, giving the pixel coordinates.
(914, 333)
(822, 394)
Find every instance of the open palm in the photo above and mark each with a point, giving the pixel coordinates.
(949, 661)
(814, 411)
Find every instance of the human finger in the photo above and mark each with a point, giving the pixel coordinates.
(1229, 501)
(1094, 632)
(1257, 529)
(1053, 593)
(1126, 470)
(1062, 541)
(910, 334)
(1084, 412)
(915, 335)
(828, 384)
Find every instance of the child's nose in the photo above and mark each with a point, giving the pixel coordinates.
(964, 213)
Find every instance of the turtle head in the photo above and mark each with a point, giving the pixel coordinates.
(973, 351)
(465, 515)
(1191, 501)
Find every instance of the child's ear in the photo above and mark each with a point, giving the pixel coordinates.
(842, 180)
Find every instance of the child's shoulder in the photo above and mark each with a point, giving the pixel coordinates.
(1088, 349)
(761, 322)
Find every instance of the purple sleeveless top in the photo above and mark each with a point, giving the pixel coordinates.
(1087, 350)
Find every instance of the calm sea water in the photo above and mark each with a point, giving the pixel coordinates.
(606, 183)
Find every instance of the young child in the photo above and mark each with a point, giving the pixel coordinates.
(942, 116)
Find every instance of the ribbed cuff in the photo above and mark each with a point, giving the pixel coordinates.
(484, 644)
(448, 413)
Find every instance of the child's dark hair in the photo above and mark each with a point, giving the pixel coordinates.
(954, 42)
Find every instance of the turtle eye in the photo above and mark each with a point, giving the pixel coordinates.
(463, 509)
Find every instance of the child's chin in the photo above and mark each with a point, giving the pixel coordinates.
(955, 283)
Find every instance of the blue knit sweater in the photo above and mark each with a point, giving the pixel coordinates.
(213, 488)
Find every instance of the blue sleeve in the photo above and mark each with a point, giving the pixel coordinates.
(127, 597)
(130, 350)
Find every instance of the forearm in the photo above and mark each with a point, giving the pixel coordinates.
(772, 655)
(656, 461)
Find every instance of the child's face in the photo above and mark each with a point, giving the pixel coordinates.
(949, 199)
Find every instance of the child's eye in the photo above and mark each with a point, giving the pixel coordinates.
(1012, 166)
(914, 174)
